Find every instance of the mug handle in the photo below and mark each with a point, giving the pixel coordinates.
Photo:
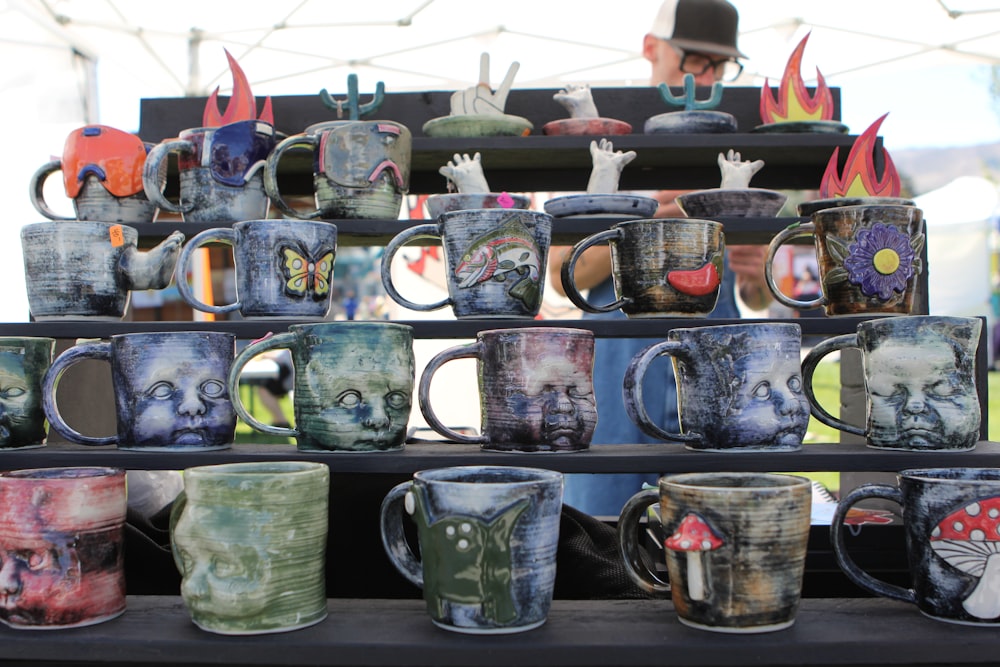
(471, 351)
(37, 190)
(426, 231)
(394, 538)
(809, 365)
(628, 544)
(100, 351)
(151, 181)
(793, 231)
(635, 406)
(847, 564)
(224, 235)
(569, 268)
(180, 502)
(271, 174)
(282, 340)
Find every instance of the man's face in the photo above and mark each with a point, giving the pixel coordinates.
(666, 65)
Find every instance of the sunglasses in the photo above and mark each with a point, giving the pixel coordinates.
(116, 158)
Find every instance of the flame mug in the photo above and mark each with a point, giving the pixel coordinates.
(739, 387)
(735, 547)
(221, 172)
(487, 537)
(102, 174)
(87, 270)
(169, 390)
(536, 388)
(869, 259)
(353, 385)
(495, 261)
(950, 519)
(62, 556)
(361, 169)
(23, 364)
(249, 540)
(920, 382)
(661, 268)
(284, 268)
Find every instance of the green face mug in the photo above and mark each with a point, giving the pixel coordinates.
(23, 364)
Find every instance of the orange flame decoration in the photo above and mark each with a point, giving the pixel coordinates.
(859, 178)
(794, 102)
(242, 104)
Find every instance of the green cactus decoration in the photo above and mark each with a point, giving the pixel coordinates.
(688, 101)
(355, 110)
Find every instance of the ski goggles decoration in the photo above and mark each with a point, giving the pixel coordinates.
(359, 154)
(232, 152)
(115, 157)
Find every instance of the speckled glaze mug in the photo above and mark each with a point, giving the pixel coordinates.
(23, 364)
(661, 268)
(950, 518)
(920, 382)
(735, 547)
(488, 538)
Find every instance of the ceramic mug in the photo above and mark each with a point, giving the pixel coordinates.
(739, 387)
(102, 173)
(169, 390)
(869, 259)
(735, 547)
(284, 268)
(62, 555)
(495, 261)
(536, 389)
(76, 270)
(920, 382)
(488, 538)
(353, 384)
(361, 169)
(220, 169)
(950, 519)
(23, 364)
(661, 268)
(249, 540)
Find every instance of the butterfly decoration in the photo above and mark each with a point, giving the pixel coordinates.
(303, 274)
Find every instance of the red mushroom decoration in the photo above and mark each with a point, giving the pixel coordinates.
(694, 536)
(969, 540)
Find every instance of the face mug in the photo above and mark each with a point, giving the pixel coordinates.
(353, 385)
(23, 364)
(488, 537)
(536, 389)
(661, 268)
(284, 268)
(169, 390)
(920, 382)
(739, 387)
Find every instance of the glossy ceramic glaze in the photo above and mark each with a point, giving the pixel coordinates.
(23, 364)
(249, 540)
(459, 201)
(736, 202)
(488, 538)
(536, 389)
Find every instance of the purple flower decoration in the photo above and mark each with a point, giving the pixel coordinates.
(880, 261)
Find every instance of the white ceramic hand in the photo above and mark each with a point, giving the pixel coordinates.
(480, 99)
(608, 166)
(466, 173)
(578, 100)
(736, 174)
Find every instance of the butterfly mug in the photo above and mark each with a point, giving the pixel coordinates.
(284, 268)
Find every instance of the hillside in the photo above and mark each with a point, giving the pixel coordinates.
(925, 169)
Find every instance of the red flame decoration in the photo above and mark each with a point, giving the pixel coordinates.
(859, 178)
(242, 104)
(794, 102)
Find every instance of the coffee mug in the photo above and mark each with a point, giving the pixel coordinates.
(353, 384)
(23, 364)
(361, 169)
(739, 387)
(169, 390)
(62, 546)
(735, 547)
(661, 268)
(76, 270)
(284, 268)
(950, 519)
(536, 388)
(869, 259)
(488, 538)
(249, 540)
(920, 382)
(495, 261)
(102, 173)
(220, 170)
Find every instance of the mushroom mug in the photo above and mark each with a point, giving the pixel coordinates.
(951, 518)
(735, 546)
